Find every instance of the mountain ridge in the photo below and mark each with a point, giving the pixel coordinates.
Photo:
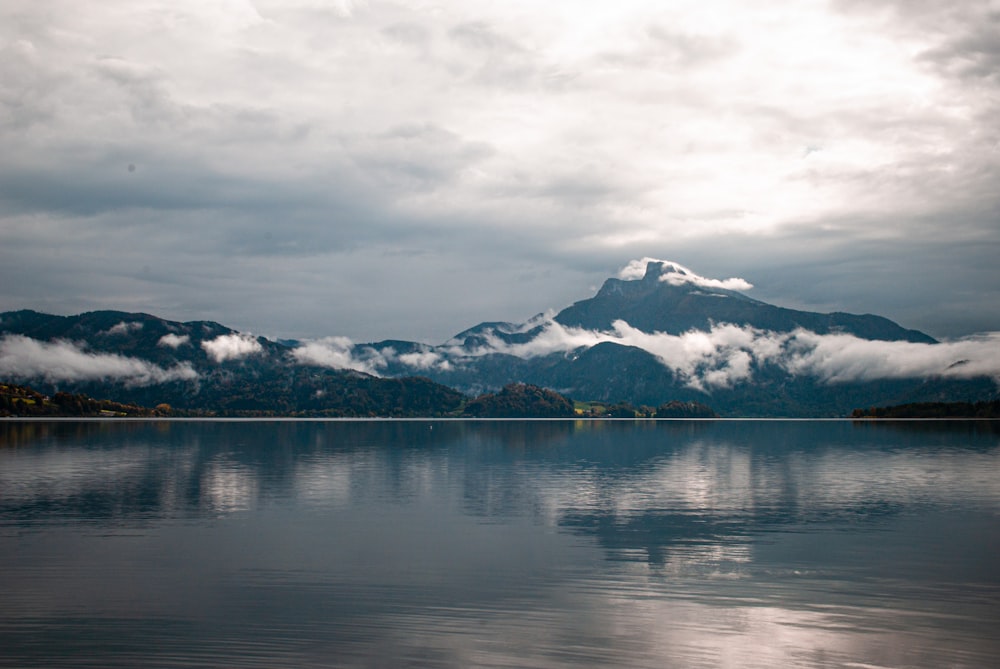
(658, 332)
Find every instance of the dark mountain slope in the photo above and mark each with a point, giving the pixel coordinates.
(654, 304)
(266, 379)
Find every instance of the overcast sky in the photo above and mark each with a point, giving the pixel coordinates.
(301, 168)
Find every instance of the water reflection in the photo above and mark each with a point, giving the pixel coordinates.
(437, 543)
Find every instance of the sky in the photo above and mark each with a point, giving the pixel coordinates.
(377, 170)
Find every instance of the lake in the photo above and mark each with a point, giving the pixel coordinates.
(499, 544)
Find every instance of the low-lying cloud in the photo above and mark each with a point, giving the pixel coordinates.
(174, 341)
(424, 360)
(841, 357)
(26, 358)
(719, 358)
(123, 328)
(231, 347)
(728, 354)
(340, 353)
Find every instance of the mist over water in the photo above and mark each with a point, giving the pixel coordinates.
(507, 543)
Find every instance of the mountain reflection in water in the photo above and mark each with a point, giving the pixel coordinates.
(499, 543)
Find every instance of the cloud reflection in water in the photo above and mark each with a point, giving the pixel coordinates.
(722, 544)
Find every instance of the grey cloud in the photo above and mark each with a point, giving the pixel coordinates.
(201, 163)
(315, 172)
(307, 11)
(490, 58)
(144, 88)
(962, 36)
(975, 54)
(926, 14)
(480, 35)
(314, 285)
(88, 189)
(422, 156)
(689, 50)
(584, 185)
(409, 33)
(175, 202)
(321, 194)
(672, 53)
(697, 45)
(26, 87)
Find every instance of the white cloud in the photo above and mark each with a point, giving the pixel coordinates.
(123, 328)
(231, 347)
(841, 357)
(636, 269)
(718, 358)
(676, 274)
(676, 279)
(26, 358)
(424, 360)
(174, 341)
(340, 353)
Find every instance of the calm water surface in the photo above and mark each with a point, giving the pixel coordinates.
(499, 544)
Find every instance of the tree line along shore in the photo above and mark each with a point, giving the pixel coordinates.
(516, 400)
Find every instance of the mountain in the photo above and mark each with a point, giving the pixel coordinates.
(23, 401)
(670, 299)
(657, 333)
(665, 332)
(199, 365)
(519, 400)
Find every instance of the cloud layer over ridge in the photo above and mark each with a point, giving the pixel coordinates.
(720, 358)
(26, 358)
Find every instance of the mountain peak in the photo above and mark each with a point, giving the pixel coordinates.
(647, 276)
(649, 270)
(662, 296)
